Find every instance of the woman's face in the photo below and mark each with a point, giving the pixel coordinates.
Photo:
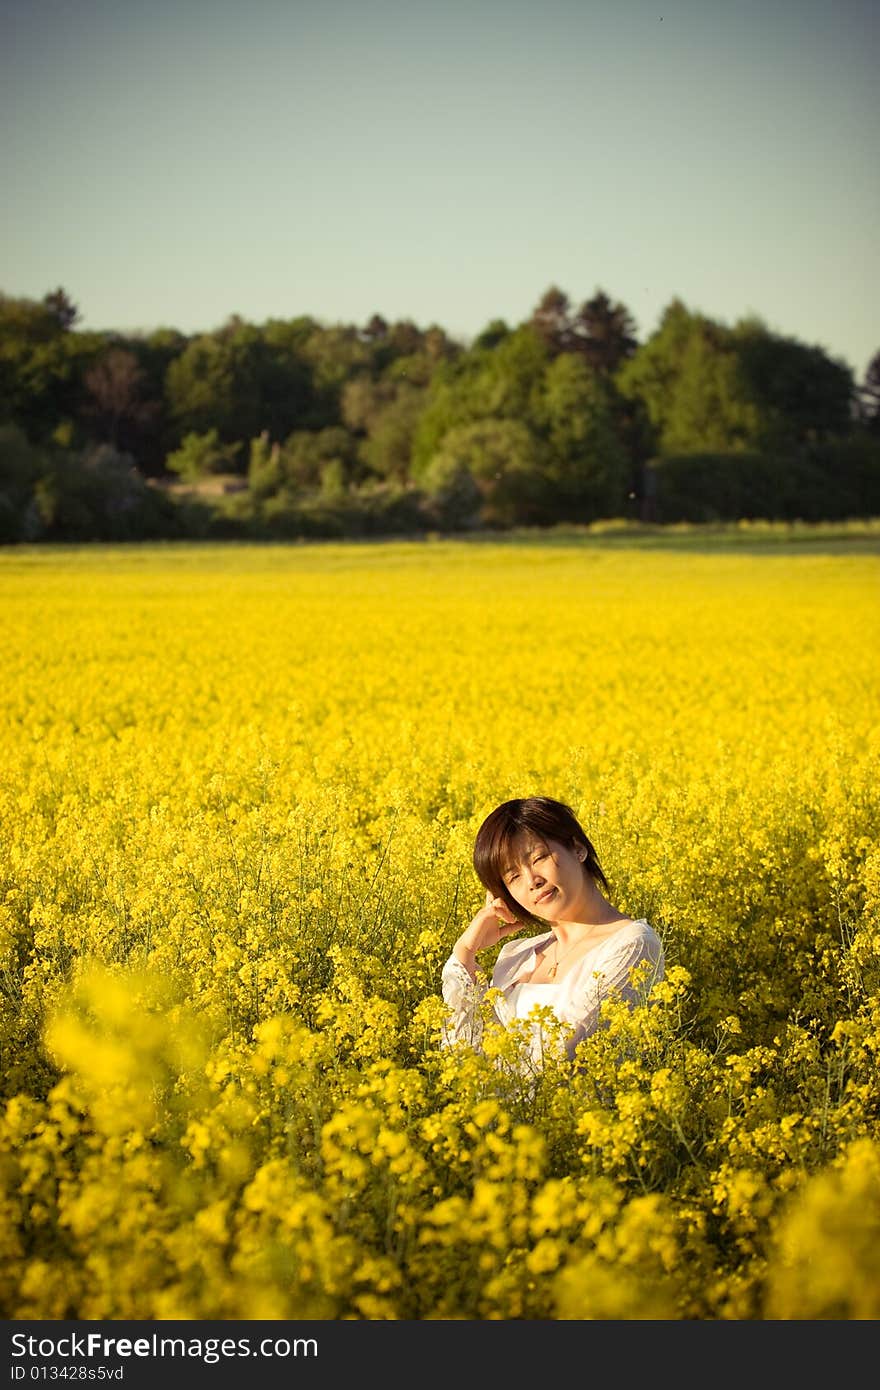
(547, 878)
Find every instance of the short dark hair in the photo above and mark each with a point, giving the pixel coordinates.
(549, 819)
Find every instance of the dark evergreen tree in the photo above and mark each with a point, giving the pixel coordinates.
(551, 319)
(604, 333)
(869, 396)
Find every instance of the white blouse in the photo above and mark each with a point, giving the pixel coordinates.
(575, 999)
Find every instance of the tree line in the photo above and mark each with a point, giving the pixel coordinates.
(295, 428)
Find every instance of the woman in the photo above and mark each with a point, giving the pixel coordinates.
(539, 868)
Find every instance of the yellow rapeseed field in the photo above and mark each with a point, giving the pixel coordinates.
(239, 787)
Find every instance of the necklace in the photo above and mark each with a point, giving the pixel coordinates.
(557, 957)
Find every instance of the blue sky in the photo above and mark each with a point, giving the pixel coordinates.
(172, 163)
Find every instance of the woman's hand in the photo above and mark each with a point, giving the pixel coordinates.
(491, 924)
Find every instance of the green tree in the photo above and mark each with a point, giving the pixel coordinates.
(95, 494)
(334, 354)
(200, 455)
(801, 395)
(288, 399)
(571, 430)
(22, 465)
(494, 333)
(487, 472)
(363, 400)
(212, 386)
(334, 482)
(483, 383)
(382, 410)
(389, 342)
(689, 379)
(588, 469)
(265, 472)
(707, 387)
(159, 434)
(387, 450)
(306, 454)
(239, 381)
(710, 406)
(42, 364)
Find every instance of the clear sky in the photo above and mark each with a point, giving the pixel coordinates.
(172, 162)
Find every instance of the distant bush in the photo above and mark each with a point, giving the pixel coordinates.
(63, 495)
(821, 482)
(374, 509)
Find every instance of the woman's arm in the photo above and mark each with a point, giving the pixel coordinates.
(463, 992)
(463, 997)
(490, 925)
